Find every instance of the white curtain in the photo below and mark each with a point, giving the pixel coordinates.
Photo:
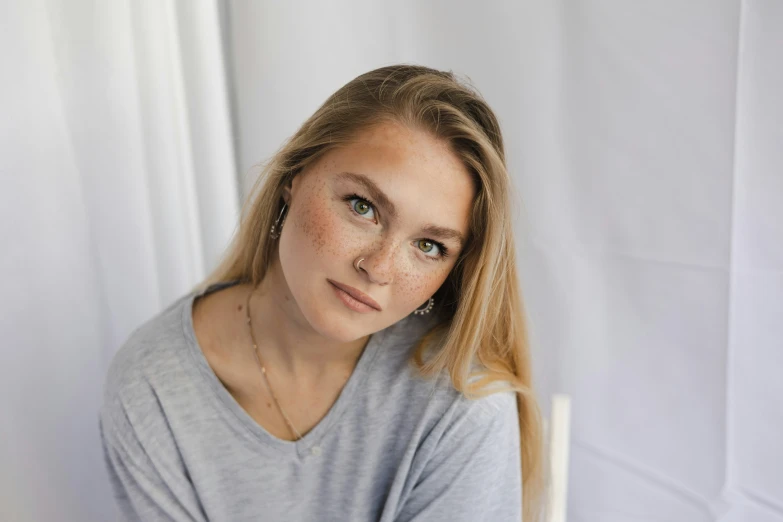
(117, 191)
(645, 143)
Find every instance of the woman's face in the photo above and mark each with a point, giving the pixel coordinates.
(396, 197)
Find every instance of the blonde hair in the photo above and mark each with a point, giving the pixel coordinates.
(481, 317)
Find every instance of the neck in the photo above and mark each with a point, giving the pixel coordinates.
(286, 340)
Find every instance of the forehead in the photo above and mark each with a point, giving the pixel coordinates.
(424, 179)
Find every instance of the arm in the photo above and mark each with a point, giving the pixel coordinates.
(473, 471)
(143, 488)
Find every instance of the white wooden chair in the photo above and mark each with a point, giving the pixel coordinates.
(558, 433)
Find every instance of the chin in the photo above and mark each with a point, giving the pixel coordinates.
(341, 329)
(341, 325)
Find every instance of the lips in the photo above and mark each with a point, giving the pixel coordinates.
(357, 294)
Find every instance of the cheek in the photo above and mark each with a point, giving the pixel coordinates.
(320, 230)
(414, 288)
(313, 228)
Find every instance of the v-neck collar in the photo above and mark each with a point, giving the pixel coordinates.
(299, 448)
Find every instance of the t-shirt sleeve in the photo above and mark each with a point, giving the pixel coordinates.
(472, 472)
(145, 487)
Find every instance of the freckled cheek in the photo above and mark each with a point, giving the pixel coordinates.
(414, 288)
(323, 231)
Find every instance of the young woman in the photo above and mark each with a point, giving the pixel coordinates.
(360, 352)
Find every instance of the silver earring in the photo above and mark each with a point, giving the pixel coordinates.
(426, 309)
(278, 225)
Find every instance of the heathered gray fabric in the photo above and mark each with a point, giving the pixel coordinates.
(393, 447)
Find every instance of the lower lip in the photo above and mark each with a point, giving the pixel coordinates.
(350, 302)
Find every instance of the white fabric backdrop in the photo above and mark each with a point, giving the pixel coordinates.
(117, 189)
(644, 139)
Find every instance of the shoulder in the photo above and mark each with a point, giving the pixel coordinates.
(493, 418)
(145, 388)
(146, 351)
(441, 401)
(468, 466)
(445, 415)
(149, 362)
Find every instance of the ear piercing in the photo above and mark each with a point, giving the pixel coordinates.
(278, 226)
(426, 309)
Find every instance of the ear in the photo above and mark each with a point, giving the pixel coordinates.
(287, 193)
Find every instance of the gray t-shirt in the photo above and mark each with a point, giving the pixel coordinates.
(393, 447)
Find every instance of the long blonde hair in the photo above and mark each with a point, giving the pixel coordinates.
(481, 315)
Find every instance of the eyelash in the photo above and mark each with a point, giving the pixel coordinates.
(443, 251)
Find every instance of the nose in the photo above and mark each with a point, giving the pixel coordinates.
(379, 263)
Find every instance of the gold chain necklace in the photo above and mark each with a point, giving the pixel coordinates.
(294, 431)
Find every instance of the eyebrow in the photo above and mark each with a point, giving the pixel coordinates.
(380, 197)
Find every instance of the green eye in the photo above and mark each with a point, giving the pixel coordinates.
(361, 207)
(433, 249)
(427, 245)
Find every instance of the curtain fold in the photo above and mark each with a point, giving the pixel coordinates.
(118, 188)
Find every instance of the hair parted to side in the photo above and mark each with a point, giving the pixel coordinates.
(480, 313)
